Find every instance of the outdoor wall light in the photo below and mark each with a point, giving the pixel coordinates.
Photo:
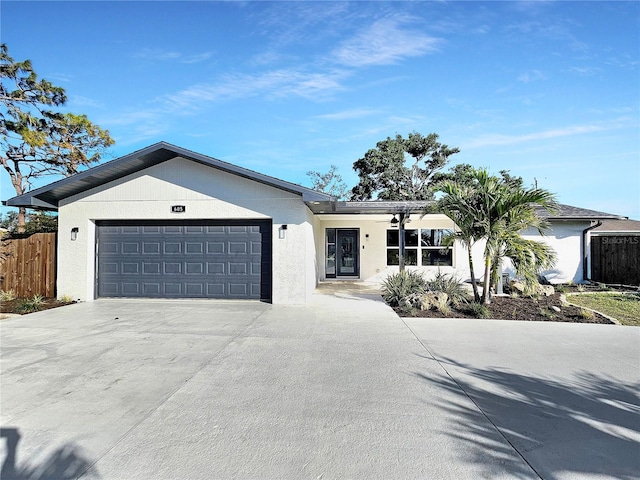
(394, 221)
(282, 231)
(74, 234)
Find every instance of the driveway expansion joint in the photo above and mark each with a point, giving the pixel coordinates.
(484, 414)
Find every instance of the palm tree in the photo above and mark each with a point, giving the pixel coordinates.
(460, 205)
(528, 257)
(497, 210)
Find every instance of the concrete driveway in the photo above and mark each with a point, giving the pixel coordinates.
(340, 388)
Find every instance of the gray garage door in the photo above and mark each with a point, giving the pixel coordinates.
(185, 259)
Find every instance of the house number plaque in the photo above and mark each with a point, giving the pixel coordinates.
(178, 209)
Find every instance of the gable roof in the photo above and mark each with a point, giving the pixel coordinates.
(618, 226)
(49, 196)
(567, 212)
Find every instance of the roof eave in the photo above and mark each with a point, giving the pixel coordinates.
(30, 201)
(147, 157)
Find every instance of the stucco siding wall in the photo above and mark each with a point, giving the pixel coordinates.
(373, 244)
(206, 193)
(566, 240)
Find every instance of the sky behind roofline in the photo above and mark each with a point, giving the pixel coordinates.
(547, 90)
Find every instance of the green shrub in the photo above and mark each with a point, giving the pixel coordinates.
(451, 285)
(397, 288)
(547, 313)
(587, 314)
(442, 305)
(66, 299)
(7, 296)
(477, 310)
(30, 305)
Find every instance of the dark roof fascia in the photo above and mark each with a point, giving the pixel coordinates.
(369, 207)
(50, 195)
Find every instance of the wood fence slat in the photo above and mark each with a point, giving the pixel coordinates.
(27, 265)
(616, 259)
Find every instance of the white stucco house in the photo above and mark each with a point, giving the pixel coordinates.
(165, 222)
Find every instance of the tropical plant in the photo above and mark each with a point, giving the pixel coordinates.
(30, 305)
(400, 286)
(478, 310)
(451, 285)
(461, 204)
(7, 295)
(497, 210)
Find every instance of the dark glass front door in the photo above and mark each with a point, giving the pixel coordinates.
(347, 253)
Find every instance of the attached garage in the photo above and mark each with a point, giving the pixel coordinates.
(165, 222)
(228, 259)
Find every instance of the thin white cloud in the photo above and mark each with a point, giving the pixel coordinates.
(532, 76)
(277, 83)
(200, 57)
(156, 54)
(385, 42)
(80, 101)
(498, 139)
(169, 55)
(585, 71)
(349, 114)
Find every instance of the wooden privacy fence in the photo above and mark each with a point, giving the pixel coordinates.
(616, 259)
(28, 265)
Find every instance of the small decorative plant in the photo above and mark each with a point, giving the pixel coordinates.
(30, 305)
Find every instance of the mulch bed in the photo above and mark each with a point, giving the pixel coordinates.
(520, 308)
(47, 303)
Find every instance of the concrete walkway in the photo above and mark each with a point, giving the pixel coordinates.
(340, 388)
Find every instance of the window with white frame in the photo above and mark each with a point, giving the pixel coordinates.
(422, 247)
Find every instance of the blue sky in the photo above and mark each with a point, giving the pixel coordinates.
(547, 90)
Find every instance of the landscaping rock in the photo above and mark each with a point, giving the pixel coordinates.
(431, 300)
(556, 309)
(519, 288)
(546, 290)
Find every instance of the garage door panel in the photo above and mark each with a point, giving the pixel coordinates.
(130, 289)
(151, 248)
(151, 288)
(172, 289)
(217, 268)
(194, 248)
(151, 268)
(130, 248)
(185, 260)
(172, 268)
(172, 248)
(216, 247)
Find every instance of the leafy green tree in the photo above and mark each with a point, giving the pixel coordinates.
(497, 210)
(330, 182)
(35, 139)
(36, 222)
(464, 174)
(401, 168)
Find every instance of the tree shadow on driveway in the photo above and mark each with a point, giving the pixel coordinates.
(65, 463)
(589, 425)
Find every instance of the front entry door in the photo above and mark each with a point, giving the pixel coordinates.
(347, 253)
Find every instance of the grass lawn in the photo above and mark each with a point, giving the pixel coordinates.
(624, 307)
